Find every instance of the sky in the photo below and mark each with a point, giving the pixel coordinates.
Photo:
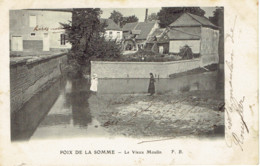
(140, 12)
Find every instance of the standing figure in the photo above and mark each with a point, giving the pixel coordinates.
(151, 88)
(94, 83)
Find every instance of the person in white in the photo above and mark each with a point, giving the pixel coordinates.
(94, 83)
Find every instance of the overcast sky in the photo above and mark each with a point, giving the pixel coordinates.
(140, 12)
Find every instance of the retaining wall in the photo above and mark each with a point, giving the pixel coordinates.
(105, 69)
(29, 76)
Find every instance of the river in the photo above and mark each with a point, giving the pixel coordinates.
(63, 111)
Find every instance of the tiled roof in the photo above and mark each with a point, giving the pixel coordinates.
(188, 19)
(111, 25)
(144, 28)
(160, 35)
(129, 26)
(136, 32)
(203, 20)
(158, 32)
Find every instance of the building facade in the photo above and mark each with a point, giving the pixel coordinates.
(38, 30)
(112, 30)
(195, 31)
(140, 31)
(161, 39)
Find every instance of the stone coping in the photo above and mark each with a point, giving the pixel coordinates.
(158, 63)
(32, 59)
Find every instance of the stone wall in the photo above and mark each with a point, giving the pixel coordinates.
(105, 69)
(201, 81)
(31, 75)
(209, 46)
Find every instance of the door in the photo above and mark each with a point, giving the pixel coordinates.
(17, 43)
(46, 42)
(161, 49)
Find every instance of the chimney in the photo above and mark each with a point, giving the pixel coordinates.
(146, 13)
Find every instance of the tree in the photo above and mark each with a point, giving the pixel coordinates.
(218, 16)
(129, 19)
(117, 17)
(120, 20)
(167, 15)
(85, 33)
(152, 17)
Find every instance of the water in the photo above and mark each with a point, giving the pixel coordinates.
(63, 110)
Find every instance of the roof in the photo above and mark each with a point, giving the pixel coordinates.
(144, 28)
(111, 25)
(161, 36)
(136, 32)
(184, 33)
(158, 32)
(203, 20)
(188, 19)
(129, 26)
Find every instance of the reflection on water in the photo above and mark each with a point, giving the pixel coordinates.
(202, 81)
(63, 109)
(25, 121)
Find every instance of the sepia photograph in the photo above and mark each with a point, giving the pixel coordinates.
(117, 72)
(120, 82)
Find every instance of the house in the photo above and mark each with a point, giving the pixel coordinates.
(38, 30)
(112, 30)
(197, 32)
(160, 37)
(140, 31)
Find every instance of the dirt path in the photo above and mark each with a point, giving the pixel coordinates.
(168, 115)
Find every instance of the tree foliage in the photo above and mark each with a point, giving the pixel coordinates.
(120, 20)
(152, 17)
(129, 19)
(167, 15)
(218, 16)
(86, 34)
(117, 17)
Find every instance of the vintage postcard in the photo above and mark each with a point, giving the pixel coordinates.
(129, 83)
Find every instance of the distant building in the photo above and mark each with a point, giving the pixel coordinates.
(188, 29)
(140, 31)
(160, 37)
(195, 31)
(112, 30)
(38, 30)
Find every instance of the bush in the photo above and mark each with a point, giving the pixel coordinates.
(107, 49)
(186, 52)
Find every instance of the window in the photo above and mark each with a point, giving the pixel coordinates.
(118, 35)
(110, 35)
(33, 34)
(62, 39)
(32, 21)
